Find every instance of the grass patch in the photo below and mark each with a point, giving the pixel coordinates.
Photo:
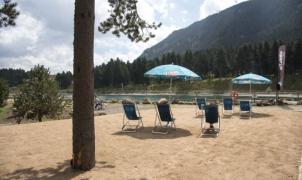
(4, 112)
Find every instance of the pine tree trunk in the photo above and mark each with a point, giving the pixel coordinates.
(40, 116)
(83, 88)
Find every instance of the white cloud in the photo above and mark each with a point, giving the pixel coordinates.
(44, 34)
(148, 9)
(172, 5)
(101, 10)
(28, 29)
(40, 37)
(124, 48)
(184, 12)
(209, 7)
(57, 58)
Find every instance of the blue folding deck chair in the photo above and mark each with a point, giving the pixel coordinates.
(200, 103)
(211, 117)
(227, 106)
(131, 114)
(163, 114)
(245, 106)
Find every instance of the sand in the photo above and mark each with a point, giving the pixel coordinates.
(268, 146)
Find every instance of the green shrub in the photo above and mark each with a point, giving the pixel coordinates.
(4, 91)
(38, 96)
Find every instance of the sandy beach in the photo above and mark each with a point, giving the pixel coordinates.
(268, 146)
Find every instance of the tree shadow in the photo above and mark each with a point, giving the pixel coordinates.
(285, 107)
(104, 164)
(61, 171)
(254, 115)
(146, 133)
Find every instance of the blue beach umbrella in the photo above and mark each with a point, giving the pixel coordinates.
(251, 79)
(171, 72)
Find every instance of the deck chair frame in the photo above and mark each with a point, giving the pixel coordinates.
(127, 127)
(158, 123)
(198, 110)
(204, 122)
(242, 112)
(224, 110)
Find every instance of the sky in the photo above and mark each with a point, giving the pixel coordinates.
(44, 31)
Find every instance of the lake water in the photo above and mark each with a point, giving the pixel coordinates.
(187, 97)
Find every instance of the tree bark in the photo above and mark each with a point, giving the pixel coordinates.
(83, 88)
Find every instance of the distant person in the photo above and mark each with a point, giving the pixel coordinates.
(234, 95)
(98, 103)
(211, 124)
(163, 101)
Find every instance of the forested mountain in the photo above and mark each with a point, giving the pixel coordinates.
(252, 21)
(260, 58)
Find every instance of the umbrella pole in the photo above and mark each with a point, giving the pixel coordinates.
(170, 89)
(250, 87)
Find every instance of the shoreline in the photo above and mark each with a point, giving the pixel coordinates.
(116, 108)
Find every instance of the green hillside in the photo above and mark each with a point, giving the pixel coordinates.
(253, 21)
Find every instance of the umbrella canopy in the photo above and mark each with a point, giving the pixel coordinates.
(172, 71)
(251, 79)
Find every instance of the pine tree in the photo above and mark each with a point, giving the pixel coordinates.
(123, 19)
(64, 79)
(220, 64)
(8, 14)
(38, 96)
(14, 77)
(297, 56)
(187, 59)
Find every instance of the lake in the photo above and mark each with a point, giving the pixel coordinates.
(190, 97)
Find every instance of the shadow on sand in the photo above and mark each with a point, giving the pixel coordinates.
(227, 116)
(210, 133)
(285, 107)
(254, 115)
(199, 116)
(146, 133)
(62, 171)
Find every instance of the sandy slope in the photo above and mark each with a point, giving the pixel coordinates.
(266, 147)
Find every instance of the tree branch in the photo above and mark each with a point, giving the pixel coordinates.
(125, 19)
